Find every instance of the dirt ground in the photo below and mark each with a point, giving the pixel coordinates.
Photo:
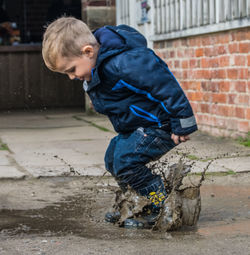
(65, 215)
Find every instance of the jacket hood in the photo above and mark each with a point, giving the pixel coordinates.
(115, 39)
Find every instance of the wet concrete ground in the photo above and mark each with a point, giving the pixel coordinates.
(65, 215)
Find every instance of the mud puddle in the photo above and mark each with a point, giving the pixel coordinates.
(225, 210)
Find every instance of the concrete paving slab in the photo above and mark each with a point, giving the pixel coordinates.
(46, 144)
(74, 170)
(205, 146)
(63, 153)
(38, 119)
(84, 133)
(3, 158)
(235, 164)
(7, 172)
(239, 164)
(199, 167)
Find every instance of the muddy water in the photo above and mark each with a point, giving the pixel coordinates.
(225, 211)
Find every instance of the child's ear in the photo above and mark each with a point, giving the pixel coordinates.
(88, 50)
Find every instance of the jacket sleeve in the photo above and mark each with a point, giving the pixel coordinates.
(144, 70)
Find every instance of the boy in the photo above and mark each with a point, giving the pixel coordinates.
(132, 86)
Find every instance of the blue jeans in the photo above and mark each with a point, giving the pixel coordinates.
(127, 155)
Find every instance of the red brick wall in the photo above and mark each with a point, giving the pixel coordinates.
(214, 72)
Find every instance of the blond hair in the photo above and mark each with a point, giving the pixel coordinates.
(65, 37)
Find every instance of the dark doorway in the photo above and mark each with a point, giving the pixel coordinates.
(30, 16)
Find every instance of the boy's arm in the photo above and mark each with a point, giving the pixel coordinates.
(143, 70)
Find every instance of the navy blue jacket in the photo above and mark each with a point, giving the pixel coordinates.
(134, 87)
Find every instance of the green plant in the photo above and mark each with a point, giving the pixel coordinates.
(192, 157)
(245, 140)
(229, 172)
(4, 147)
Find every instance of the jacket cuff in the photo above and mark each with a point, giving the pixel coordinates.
(183, 126)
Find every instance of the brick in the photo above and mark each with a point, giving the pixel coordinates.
(214, 62)
(243, 73)
(177, 74)
(224, 61)
(244, 47)
(205, 85)
(243, 100)
(248, 60)
(214, 109)
(184, 42)
(184, 85)
(243, 126)
(204, 108)
(194, 41)
(176, 43)
(218, 74)
(197, 74)
(159, 54)
(219, 98)
(176, 63)
(233, 48)
(185, 74)
(241, 35)
(240, 112)
(214, 87)
(180, 53)
(194, 85)
(194, 106)
(223, 38)
(184, 64)
(232, 73)
(207, 74)
(225, 110)
(172, 54)
(156, 45)
(199, 52)
(189, 52)
(212, 120)
(169, 44)
(231, 124)
(209, 52)
(161, 44)
(195, 96)
(207, 97)
(224, 86)
(205, 40)
(209, 40)
(165, 54)
(205, 63)
(194, 63)
(219, 122)
(248, 113)
(221, 50)
(209, 62)
(240, 86)
(231, 98)
(239, 60)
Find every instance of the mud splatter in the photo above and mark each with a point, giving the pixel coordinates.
(182, 206)
(72, 171)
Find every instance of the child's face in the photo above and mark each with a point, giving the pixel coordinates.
(78, 67)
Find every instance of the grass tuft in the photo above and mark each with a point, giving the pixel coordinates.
(3, 146)
(245, 140)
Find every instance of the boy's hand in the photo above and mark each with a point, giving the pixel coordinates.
(177, 139)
